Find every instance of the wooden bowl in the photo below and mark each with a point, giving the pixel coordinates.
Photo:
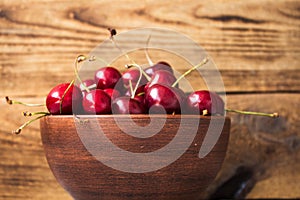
(85, 177)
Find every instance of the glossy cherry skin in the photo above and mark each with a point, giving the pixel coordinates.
(133, 75)
(162, 98)
(162, 65)
(97, 102)
(112, 93)
(199, 101)
(139, 94)
(69, 102)
(107, 77)
(161, 77)
(126, 105)
(140, 97)
(87, 83)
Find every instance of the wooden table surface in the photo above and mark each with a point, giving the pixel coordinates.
(255, 44)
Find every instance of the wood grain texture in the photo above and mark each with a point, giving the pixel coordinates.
(40, 40)
(255, 44)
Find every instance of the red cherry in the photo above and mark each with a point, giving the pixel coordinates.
(158, 66)
(97, 102)
(139, 94)
(141, 99)
(127, 105)
(68, 101)
(161, 97)
(112, 93)
(133, 75)
(86, 83)
(107, 77)
(138, 91)
(199, 101)
(161, 77)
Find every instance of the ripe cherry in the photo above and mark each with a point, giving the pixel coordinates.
(87, 84)
(162, 98)
(139, 90)
(112, 93)
(139, 94)
(133, 102)
(107, 77)
(64, 99)
(133, 76)
(162, 65)
(167, 96)
(141, 99)
(127, 105)
(205, 103)
(97, 102)
(161, 77)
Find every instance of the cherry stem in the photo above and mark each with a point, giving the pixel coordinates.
(205, 112)
(203, 62)
(10, 101)
(63, 96)
(93, 58)
(119, 48)
(18, 131)
(113, 32)
(131, 88)
(91, 87)
(147, 53)
(26, 113)
(140, 94)
(112, 39)
(273, 115)
(139, 80)
(143, 72)
(78, 60)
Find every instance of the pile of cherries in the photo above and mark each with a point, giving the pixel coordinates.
(153, 90)
(135, 91)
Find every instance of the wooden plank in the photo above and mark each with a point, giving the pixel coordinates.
(252, 40)
(272, 144)
(24, 172)
(41, 46)
(269, 146)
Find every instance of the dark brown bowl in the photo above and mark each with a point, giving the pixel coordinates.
(85, 177)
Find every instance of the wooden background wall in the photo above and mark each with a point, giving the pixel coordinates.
(255, 44)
